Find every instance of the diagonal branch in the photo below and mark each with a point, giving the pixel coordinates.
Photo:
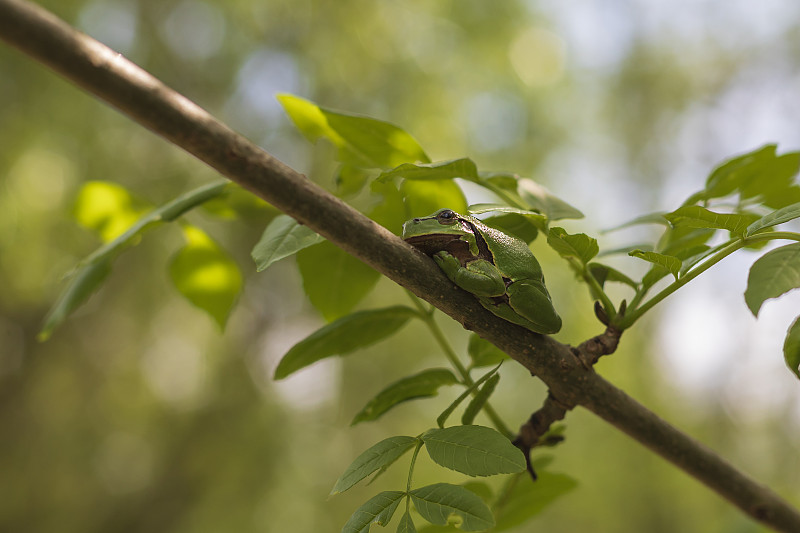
(147, 101)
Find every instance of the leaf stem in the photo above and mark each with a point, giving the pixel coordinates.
(444, 344)
(724, 252)
(418, 447)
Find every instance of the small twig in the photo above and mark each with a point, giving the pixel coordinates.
(589, 351)
(532, 431)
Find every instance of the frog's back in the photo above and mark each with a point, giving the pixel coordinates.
(518, 261)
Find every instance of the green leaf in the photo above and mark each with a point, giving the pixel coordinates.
(206, 275)
(378, 456)
(483, 352)
(350, 180)
(775, 273)
(479, 400)
(579, 246)
(442, 418)
(423, 385)
(334, 280)
(779, 216)
(473, 450)
(540, 199)
(377, 510)
(107, 208)
(94, 268)
(439, 502)
(694, 216)
(441, 170)
(523, 499)
(791, 348)
(406, 525)
(283, 237)
(86, 281)
(604, 273)
(390, 209)
(676, 239)
(425, 197)
(671, 263)
(731, 175)
(343, 336)
(362, 141)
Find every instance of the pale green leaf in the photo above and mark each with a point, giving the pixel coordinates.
(206, 275)
(107, 208)
(479, 400)
(670, 263)
(283, 237)
(694, 216)
(425, 197)
(579, 246)
(440, 170)
(483, 352)
(343, 336)
(540, 199)
(780, 216)
(422, 385)
(362, 141)
(523, 499)
(334, 280)
(378, 456)
(791, 348)
(377, 510)
(473, 450)
(441, 502)
(734, 173)
(775, 273)
(523, 227)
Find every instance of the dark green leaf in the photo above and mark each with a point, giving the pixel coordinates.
(519, 226)
(345, 335)
(671, 263)
(775, 176)
(378, 456)
(676, 239)
(406, 525)
(479, 400)
(791, 348)
(350, 180)
(579, 246)
(86, 281)
(779, 216)
(439, 502)
(377, 510)
(775, 273)
(524, 499)
(281, 238)
(334, 280)
(442, 418)
(425, 197)
(604, 273)
(473, 450)
(362, 141)
(694, 216)
(206, 275)
(423, 385)
(441, 170)
(483, 352)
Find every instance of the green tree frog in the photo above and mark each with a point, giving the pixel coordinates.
(498, 269)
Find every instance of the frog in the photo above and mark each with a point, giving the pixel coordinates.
(498, 269)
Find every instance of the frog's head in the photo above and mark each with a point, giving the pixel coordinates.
(438, 231)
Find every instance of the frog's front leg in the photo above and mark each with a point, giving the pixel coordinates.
(530, 300)
(480, 277)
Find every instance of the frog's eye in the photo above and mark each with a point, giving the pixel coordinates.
(446, 216)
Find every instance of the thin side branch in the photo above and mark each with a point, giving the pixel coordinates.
(147, 101)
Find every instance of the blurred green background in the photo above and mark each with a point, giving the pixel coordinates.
(140, 415)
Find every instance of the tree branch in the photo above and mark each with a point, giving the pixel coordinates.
(147, 101)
